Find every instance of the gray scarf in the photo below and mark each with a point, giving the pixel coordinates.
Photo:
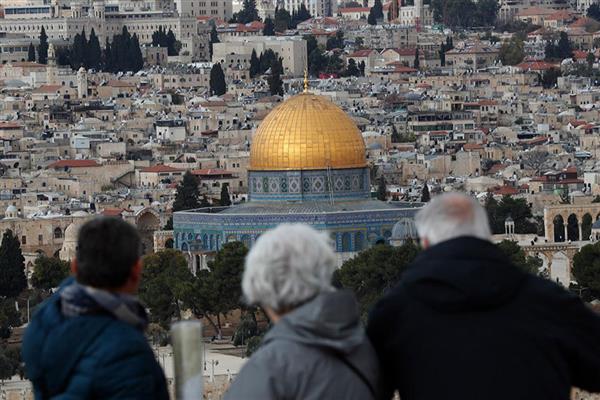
(78, 299)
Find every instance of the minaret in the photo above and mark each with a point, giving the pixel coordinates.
(82, 83)
(51, 68)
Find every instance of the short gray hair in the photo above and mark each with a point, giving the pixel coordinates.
(452, 215)
(287, 266)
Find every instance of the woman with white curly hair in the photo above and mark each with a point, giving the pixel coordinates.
(317, 348)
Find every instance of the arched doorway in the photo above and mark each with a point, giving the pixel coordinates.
(559, 269)
(559, 228)
(572, 228)
(169, 243)
(148, 221)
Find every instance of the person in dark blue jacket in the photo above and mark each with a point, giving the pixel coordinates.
(464, 323)
(87, 340)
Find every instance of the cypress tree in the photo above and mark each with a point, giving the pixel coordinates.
(254, 65)
(352, 69)
(362, 66)
(188, 194)
(172, 44)
(94, 51)
(382, 189)
(225, 199)
(217, 83)
(269, 28)
(31, 53)
(12, 266)
(136, 54)
(425, 196)
(107, 58)
(43, 47)
(275, 82)
(417, 62)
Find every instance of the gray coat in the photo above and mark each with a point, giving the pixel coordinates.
(317, 351)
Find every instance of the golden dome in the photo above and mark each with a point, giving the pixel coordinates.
(307, 132)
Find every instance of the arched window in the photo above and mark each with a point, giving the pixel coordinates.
(58, 233)
(346, 242)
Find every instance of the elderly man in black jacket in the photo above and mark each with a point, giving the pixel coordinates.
(466, 324)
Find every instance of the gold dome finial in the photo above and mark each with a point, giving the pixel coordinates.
(305, 80)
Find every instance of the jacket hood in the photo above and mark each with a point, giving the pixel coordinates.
(53, 344)
(330, 320)
(463, 274)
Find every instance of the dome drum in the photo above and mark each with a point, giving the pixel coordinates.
(312, 185)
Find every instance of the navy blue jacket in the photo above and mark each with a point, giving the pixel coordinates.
(89, 357)
(465, 324)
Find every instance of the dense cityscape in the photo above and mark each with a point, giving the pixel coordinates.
(204, 124)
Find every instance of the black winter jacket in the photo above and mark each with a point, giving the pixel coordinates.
(465, 324)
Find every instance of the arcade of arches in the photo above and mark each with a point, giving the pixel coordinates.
(570, 222)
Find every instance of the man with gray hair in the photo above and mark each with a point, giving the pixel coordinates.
(464, 323)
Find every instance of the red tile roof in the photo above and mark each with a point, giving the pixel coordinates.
(74, 164)
(353, 9)
(9, 125)
(535, 65)
(112, 212)
(361, 53)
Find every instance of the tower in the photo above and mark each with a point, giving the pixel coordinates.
(82, 83)
(51, 68)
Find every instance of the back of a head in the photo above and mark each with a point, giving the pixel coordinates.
(288, 266)
(450, 216)
(107, 250)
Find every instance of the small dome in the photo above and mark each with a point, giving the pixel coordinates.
(11, 212)
(404, 229)
(11, 208)
(80, 213)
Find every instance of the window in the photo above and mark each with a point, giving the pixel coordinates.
(23, 239)
(40, 239)
(58, 234)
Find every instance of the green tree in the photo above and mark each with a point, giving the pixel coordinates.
(172, 47)
(283, 20)
(217, 83)
(303, 14)
(550, 77)
(586, 267)
(590, 58)
(214, 38)
(311, 44)
(381, 189)
(362, 66)
(9, 317)
(336, 41)
(565, 49)
(12, 266)
(164, 285)
(137, 59)
(188, 194)
(43, 47)
(269, 28)
(225, 199)
(275, 81)
(518, 209)
(375, 13)
(416, 62)
(425, 196)
(49, 272)
(248, 13)
(352, 69)
(254, 64)
(512, 52)
(31, 53)
(220, 287)
(374, 271)
(94, 52)
(317, 62)
(593, 11)
(517, 256)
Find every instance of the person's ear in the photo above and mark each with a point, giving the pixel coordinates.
(74, 267)
(136, 272)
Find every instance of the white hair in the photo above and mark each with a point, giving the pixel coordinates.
(287, 266)
(452, 215)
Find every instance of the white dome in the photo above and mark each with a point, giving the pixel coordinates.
(80, 213)
(10, 209)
